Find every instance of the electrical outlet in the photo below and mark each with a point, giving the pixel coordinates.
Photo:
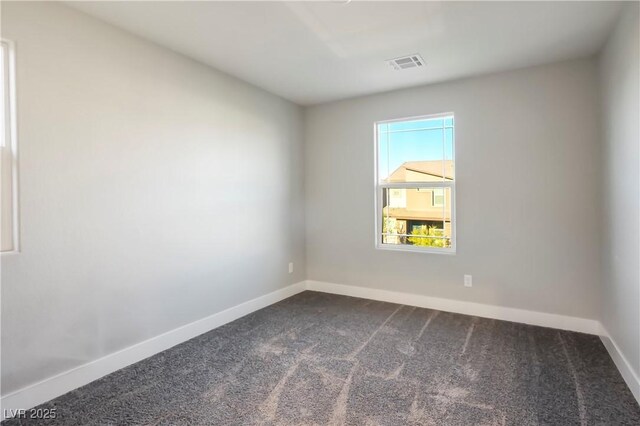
(468, 281)
(291, 267)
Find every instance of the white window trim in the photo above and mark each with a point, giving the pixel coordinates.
(379, 245)
(13, 142)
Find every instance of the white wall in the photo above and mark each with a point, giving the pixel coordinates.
(528, 191)
(154, 191)
(620, 75)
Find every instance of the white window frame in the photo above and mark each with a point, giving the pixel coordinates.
(10, 138)
(380, 186)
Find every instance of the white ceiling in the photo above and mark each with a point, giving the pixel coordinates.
(314, 52)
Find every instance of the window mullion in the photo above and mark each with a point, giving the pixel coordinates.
(410, 185)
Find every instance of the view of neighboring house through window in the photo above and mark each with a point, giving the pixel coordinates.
(415, 179)
(8, 163)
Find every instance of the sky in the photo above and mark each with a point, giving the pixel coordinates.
(394, 148)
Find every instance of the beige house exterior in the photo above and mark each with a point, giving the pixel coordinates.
(405, 210)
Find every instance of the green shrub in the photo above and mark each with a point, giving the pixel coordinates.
(425, 231)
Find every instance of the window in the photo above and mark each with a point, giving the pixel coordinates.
(437, 197)
(8, 148)
(415, 184)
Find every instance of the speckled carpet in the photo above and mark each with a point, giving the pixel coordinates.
(324, 359)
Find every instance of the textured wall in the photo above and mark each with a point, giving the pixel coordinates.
(620, 77)
(154, 191)
(528, 201)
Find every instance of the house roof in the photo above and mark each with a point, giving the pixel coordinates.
(423, 171)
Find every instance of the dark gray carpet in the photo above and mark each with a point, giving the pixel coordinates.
(323, 359)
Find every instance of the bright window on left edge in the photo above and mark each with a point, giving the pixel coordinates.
(415, 184)
(9, 151)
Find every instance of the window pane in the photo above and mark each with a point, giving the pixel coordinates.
(7, 157)
(416, 151)
(3, 94)
(409, 216)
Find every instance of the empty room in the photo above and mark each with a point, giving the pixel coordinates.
(320, 213)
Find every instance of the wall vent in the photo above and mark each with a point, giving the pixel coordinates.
(406, 62)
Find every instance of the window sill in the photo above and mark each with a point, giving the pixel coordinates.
(414, 249)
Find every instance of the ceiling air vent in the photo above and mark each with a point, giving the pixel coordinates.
(406, 62)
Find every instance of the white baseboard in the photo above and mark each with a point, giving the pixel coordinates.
(543, 319)
(626, 370)
(67, 381)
